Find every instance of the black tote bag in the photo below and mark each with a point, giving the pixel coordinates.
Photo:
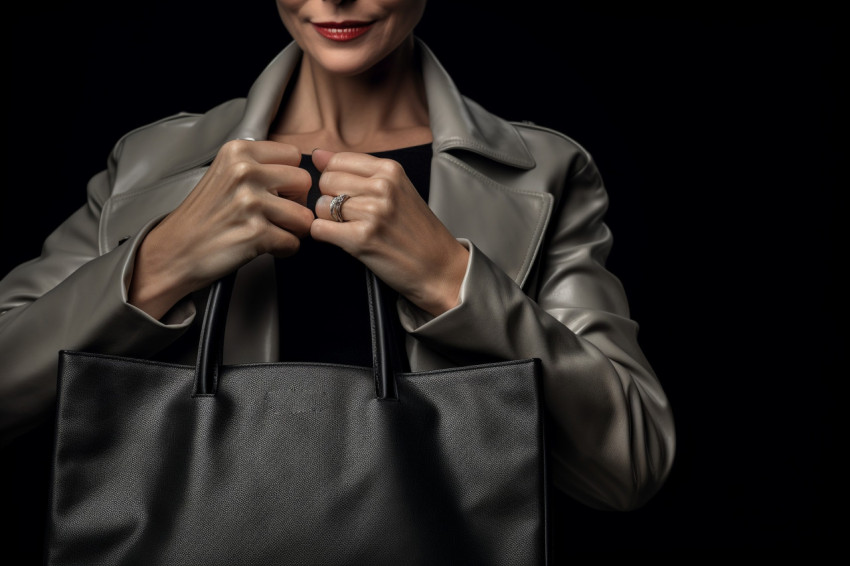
(296, 463)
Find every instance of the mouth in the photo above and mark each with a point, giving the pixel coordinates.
(342, 31)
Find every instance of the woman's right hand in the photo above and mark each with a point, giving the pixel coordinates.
(234, 214)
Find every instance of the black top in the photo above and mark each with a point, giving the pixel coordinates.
(324, 311)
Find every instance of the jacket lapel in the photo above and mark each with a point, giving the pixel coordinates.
(504, 223)
(475, 155)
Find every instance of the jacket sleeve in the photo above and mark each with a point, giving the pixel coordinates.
(71, 297)
(613, 441)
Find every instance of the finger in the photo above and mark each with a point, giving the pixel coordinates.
(288, 216)
(323, 207)
(321, 157)
(361, 164)
(323, 230)
(350, 209)
(342, 182)
(281, 243)
(285, 181)
(262, 151)
(280, 180)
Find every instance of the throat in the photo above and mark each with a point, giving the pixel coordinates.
(353, 113)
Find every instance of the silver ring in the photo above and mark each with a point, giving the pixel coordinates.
(336, 207)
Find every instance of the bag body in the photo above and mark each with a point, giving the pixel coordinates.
(296, 463)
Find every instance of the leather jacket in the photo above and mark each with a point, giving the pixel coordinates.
(528, 203)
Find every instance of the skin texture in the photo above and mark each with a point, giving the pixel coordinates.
(350, 98)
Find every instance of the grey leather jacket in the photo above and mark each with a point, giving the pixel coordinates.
(528, 202)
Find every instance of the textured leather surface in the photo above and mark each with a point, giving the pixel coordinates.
(296, 464)
(292, 463)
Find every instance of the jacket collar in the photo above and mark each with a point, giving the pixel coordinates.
(457, 123)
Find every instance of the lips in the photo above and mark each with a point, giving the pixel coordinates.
(342, 31)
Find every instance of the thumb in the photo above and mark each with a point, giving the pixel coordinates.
(321, 158)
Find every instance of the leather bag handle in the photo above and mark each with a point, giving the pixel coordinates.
(388, 356)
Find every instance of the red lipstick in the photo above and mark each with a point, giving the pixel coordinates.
(342, 31)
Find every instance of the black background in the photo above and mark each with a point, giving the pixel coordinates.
(717, 133)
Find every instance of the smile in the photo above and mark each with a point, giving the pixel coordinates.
(342, 31)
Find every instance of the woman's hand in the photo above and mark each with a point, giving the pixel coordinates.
(234, 214)
(389, 228)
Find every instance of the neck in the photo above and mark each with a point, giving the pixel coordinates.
(381, 109)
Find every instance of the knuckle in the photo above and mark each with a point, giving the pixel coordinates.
(365, 233)
(254, 227)
(373, 208)
(249, 235)
(245, 199)
(234, 148)
(241, 170)
(336, 160)
(390, 168)
(382, 187)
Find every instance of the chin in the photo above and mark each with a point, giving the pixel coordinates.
(347, 63)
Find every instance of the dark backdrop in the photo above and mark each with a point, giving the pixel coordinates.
(717, 134)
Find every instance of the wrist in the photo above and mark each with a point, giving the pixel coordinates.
(154, 290)
(445, 288)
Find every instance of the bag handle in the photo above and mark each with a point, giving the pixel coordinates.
(388, 356)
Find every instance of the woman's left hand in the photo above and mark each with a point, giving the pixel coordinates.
(389, 228)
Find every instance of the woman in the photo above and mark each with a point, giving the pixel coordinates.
(491, 232)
